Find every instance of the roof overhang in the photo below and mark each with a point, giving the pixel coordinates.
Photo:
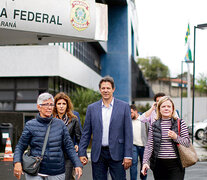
(42, 22)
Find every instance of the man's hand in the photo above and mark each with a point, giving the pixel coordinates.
(76, 148)
(78, 172)
(18, 170)
(154, 106)
(83, 160)
(127, 163)
(149, 112)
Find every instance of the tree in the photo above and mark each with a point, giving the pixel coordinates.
(143, 108)
(153, 68)
(201, 83)
(81, 98)
(185, 76)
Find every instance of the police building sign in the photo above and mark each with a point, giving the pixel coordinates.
(66, 19)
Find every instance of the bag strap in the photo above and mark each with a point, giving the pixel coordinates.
(46, 138)
(178, 126)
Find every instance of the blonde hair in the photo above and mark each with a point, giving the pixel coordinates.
(162, 100)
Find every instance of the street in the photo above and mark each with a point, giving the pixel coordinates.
(196, 172)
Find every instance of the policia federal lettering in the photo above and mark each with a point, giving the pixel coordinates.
(32, 16)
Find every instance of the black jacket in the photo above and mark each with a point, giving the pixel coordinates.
(74, 130)
(157, 137)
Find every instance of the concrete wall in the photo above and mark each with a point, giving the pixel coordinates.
(166, 87)
(34, 61)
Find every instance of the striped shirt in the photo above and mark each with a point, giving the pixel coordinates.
(166, 146)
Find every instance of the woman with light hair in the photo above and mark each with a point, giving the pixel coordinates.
(161, 152)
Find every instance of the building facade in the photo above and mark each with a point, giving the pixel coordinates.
(54, 63)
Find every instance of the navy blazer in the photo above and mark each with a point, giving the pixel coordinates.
(120, 131)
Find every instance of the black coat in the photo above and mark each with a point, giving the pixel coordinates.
(74, 130)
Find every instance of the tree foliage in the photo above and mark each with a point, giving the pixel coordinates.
(81, 98)
(143, 108)
(201, 83)
(153, 68)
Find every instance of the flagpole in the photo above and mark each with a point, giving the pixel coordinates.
(189, 95)
(193, 82)
(181, 101)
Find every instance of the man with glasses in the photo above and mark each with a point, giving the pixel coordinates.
(59, 142)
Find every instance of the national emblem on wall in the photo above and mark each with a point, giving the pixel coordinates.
(80, 15)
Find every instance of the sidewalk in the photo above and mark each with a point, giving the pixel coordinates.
(201, 150)
(199, 147)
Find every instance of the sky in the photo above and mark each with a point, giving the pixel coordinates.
(162, 25)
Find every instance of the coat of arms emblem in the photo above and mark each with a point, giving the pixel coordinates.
(80, 16)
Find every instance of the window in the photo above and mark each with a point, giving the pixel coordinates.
(27, 83)
(7, 95)
(6, 83)
(27, 95)
(5, 106)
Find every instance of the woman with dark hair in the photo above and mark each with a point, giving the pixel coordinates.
(64, 110)
(161, 152)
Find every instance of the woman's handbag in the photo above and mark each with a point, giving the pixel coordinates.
(188, 155)
(31, 164)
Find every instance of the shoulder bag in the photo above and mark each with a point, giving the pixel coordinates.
(31, 164)
(188, 155)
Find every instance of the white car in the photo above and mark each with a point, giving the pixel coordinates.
(198, 129)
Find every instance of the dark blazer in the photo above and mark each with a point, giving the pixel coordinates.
(120, 131)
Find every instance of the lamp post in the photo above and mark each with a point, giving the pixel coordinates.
(199, 26)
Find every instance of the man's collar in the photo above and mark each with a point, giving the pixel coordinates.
(111, 103)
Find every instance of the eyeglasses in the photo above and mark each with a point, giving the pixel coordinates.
(47, 105)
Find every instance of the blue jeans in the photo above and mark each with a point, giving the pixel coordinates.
(105, 163)
(138, 151)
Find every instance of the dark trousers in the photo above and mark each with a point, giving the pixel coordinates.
(138, 152)
(168, 169)
(68, 169)
(105, 163)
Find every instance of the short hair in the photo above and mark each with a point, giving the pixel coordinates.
(133, 107)
(44, 97)
(162, 100)
(160, 94)
(107, 79)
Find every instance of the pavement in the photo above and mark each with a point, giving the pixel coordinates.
(201, 150)
(197, 171)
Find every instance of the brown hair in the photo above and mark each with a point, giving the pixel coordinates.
(162, 100)
(160, 94)
(107, 79)
(69, 109)
(133, 107)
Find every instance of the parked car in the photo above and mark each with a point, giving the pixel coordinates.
(205, 135)
(198, 129)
